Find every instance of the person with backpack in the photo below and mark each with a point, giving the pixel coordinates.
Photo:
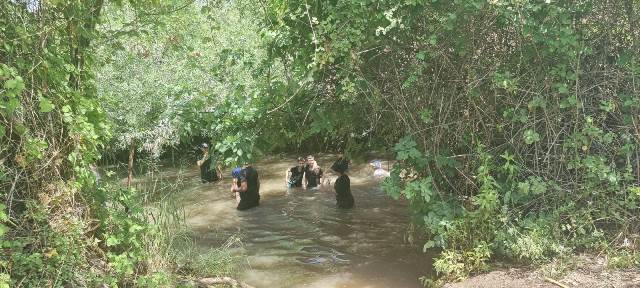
(248, 188)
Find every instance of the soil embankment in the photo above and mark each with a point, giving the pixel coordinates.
(586, 271)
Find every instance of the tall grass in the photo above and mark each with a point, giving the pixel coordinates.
(171, 246)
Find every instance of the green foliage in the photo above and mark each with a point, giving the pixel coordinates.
(185, 77)
(13, 86)
(514, 123)
(531, 137)
(5, 280)
(125, 231)
(457, 266)
(510, 147)
(623, 260)
(55, 221)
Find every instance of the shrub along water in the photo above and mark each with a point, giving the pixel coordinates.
(59, 228)
(516, 122)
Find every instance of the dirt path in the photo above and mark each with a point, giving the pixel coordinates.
(586, 272)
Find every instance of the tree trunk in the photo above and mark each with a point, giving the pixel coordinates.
(633, 25)
(81, 29)
(132, 151)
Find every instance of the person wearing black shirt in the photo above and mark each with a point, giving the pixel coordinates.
(209, 170)
(249, 188)
(312, 174)
(344, 198)
(293, 177)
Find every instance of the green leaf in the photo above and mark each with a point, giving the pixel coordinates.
(16, 84)
(135, 228)
(112, 241)
(46, 105)
(607, 105)
(563, 89)
(12, 104)
(426, 116)
(531, 137)
(433, 39)
(571, 101)
(406, 149)
(537, 102)
(3, 215)
(538, 186)
(430, 244)
(523, 187)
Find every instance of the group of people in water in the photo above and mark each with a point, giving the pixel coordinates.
(307, 174)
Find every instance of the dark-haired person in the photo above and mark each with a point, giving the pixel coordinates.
(293, 177)
(344, 198)
(209, 170)
(249, 188)
(312, 174)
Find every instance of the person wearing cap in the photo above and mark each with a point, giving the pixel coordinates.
(342, 185)
(378, 171)
(235, 182)
(312, 174)
(248, 188)
(209, 171)
(293, 177)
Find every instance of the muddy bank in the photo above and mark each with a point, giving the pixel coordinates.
(585, 271)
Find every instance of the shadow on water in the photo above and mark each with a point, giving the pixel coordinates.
(298, 238)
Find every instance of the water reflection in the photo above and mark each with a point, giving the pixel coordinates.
(298, 238)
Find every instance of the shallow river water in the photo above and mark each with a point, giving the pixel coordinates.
(298, 238)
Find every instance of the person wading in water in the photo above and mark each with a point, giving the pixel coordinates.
(293, 177)
(209, 170)
(235, 182)
(378, 171)
(249, 188)
(312, 174)
(344, 198)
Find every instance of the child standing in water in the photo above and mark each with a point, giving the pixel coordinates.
(342, 185)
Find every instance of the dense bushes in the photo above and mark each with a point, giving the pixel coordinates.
(58, 227)
(516, 122)
(65, 100)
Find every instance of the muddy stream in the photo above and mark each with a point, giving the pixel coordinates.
(298, 238)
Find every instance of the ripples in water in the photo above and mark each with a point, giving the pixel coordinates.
(298, 238)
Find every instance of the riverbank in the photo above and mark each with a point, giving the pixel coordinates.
(581, 271)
